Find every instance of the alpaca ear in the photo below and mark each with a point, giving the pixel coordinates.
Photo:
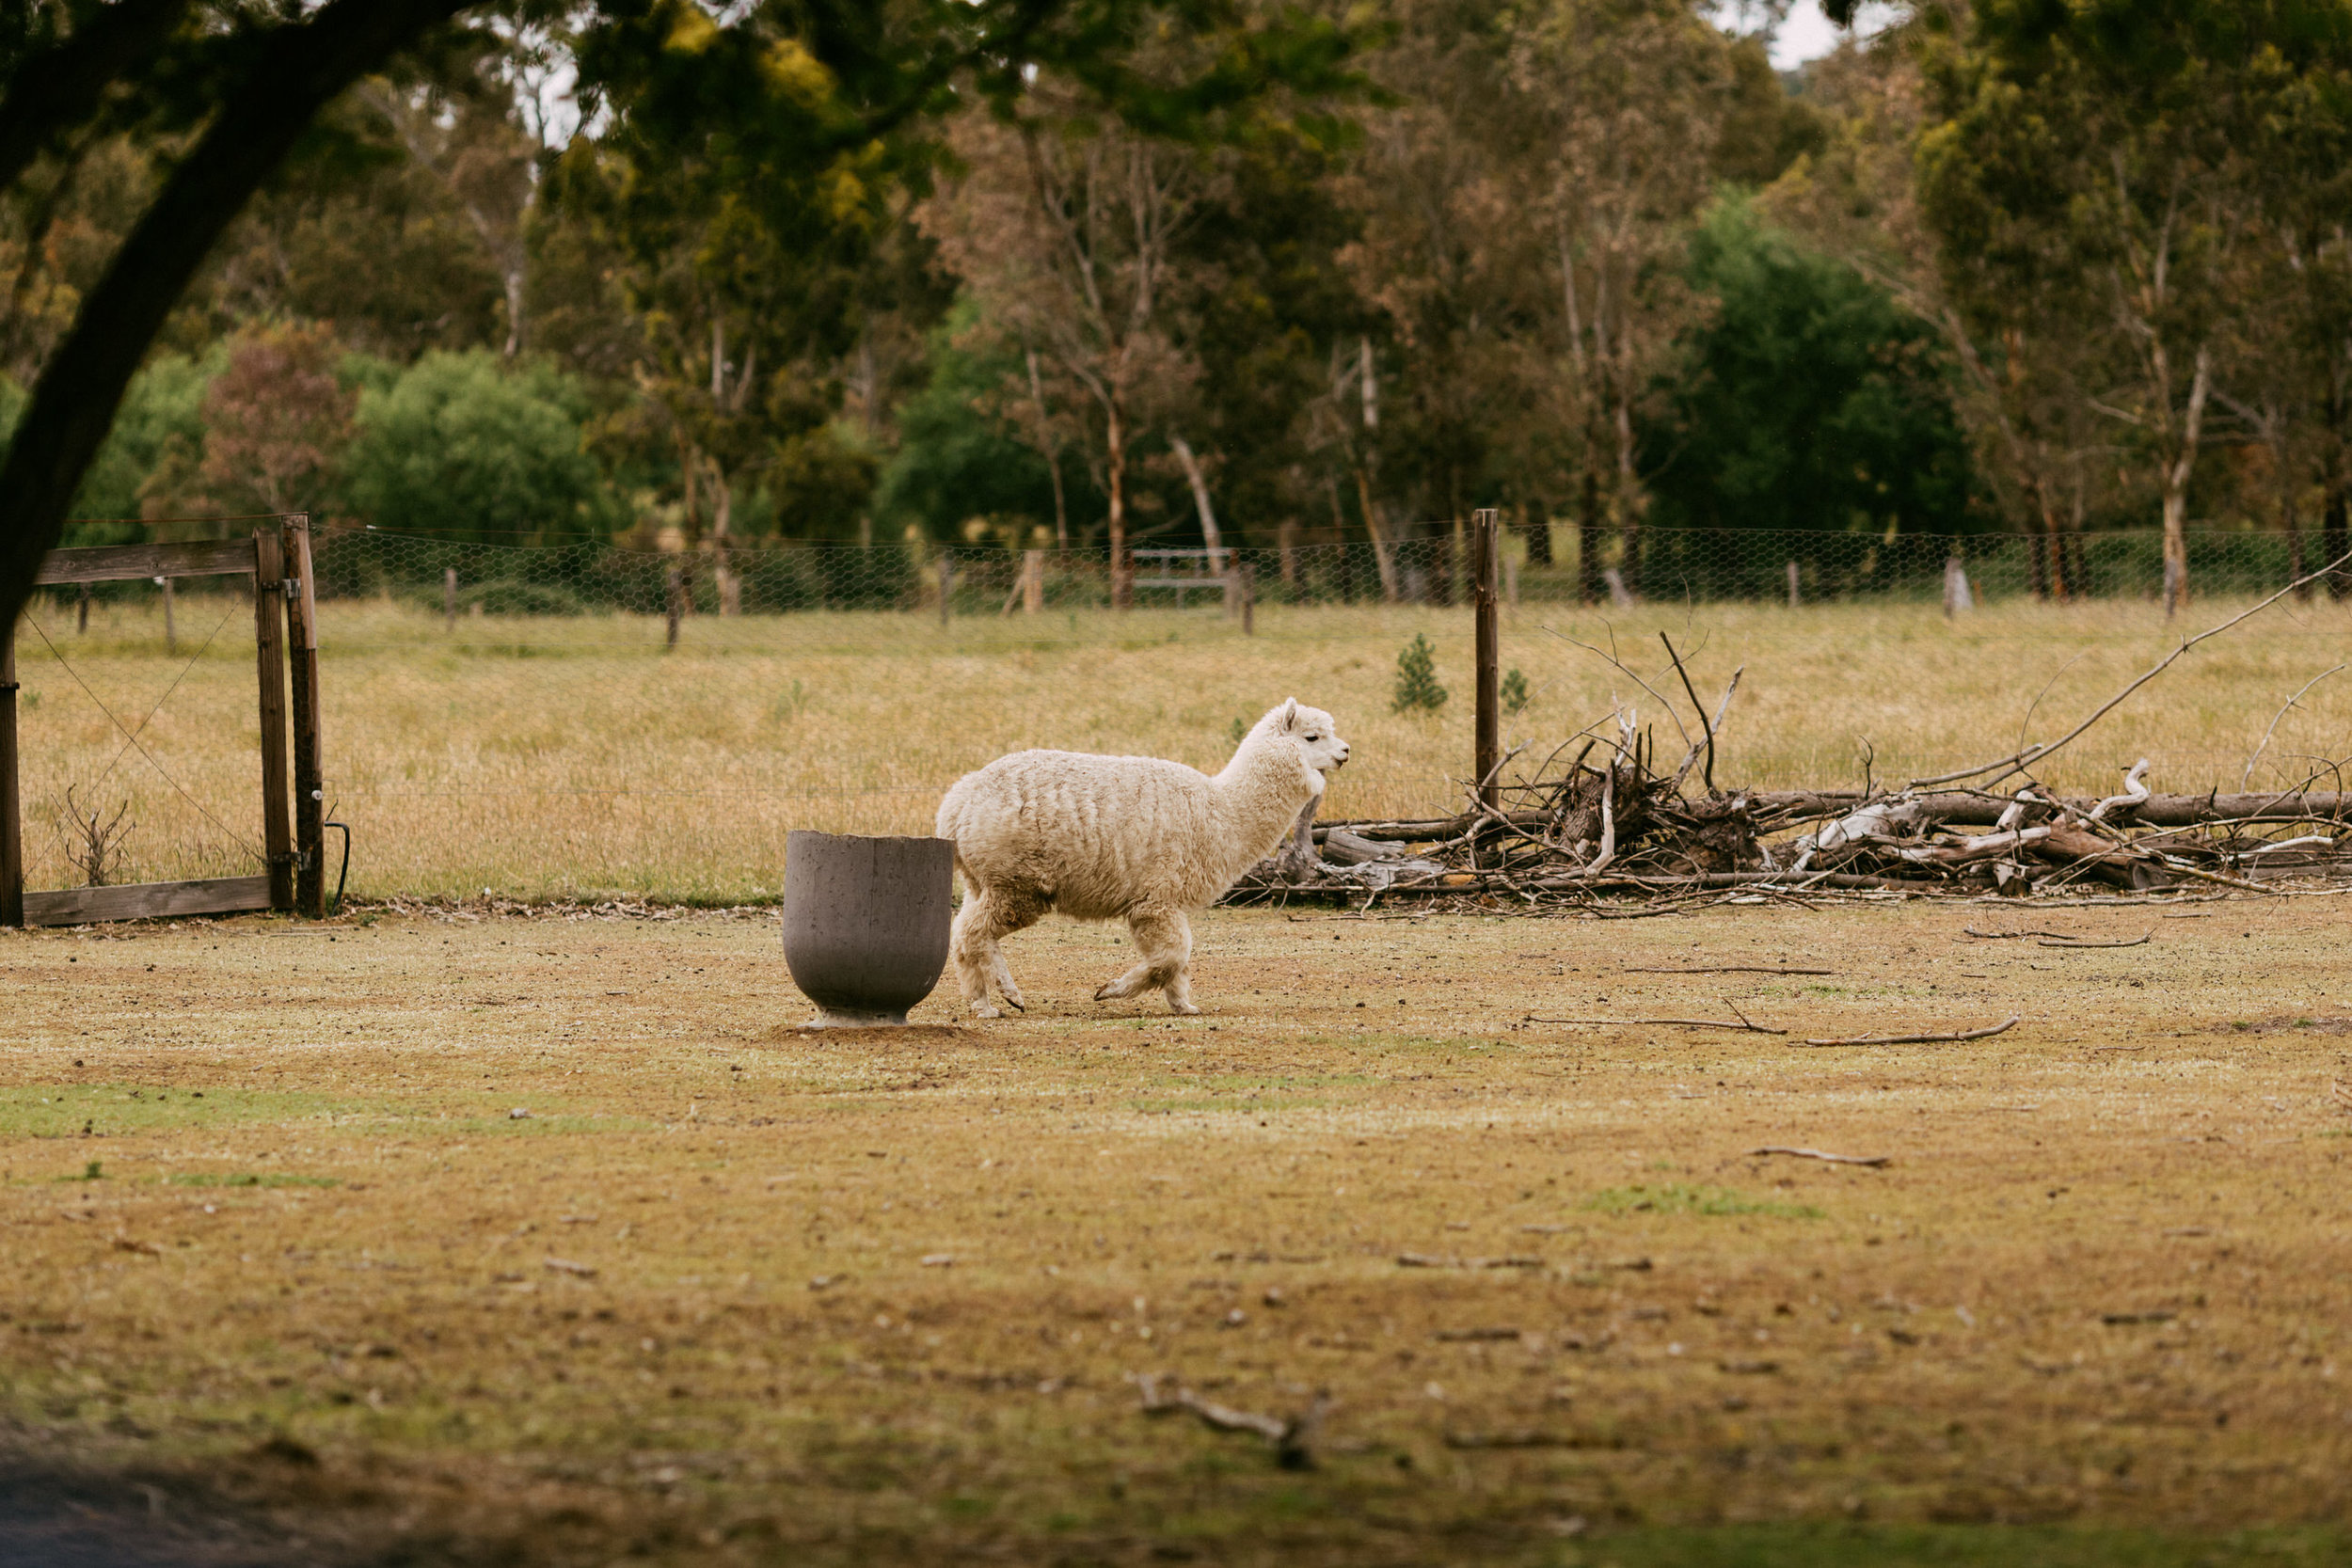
(1289, 719)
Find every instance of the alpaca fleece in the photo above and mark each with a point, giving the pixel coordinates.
(1113, 838)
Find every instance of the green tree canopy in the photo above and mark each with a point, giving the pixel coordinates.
(463, 447)
(1806, 400)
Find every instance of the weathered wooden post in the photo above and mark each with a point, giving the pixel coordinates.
(1248, 599)
(1483, 530)
(1032, 582)
(449, 598)
(11, 827)
(80, 616)
(309, 774)
(947, 585)
(1792, 585)
(172, 632)
(674, 582)
(269, 657)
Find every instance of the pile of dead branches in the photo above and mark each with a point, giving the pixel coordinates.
(1611, 820)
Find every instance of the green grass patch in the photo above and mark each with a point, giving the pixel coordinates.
(64, 1110)
(1673, 1197)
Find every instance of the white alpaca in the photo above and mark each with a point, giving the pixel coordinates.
(1132, 838)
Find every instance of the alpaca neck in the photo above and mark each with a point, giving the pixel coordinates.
(1261, 793)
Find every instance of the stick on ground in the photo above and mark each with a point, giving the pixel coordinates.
(1873, 1159)
(1729, 969)
(1989, 1030)
(1670, 1022)
(2141, 940)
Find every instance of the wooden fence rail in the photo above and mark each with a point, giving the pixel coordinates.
(285, 640)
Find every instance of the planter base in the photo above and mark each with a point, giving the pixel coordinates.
(849, 1017)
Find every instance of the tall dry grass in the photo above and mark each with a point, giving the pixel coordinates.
(574, 756)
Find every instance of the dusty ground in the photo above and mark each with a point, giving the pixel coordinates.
(282, 1257)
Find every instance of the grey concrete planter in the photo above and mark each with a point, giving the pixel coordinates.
(866, 922)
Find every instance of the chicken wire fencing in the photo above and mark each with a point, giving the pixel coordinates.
(584, 720)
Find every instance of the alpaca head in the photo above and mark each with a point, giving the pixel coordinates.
(1310, 730)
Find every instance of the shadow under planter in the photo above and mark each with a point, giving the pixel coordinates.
(866, 922)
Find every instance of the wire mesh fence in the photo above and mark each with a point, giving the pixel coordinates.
(580, 718)
(1542, 566)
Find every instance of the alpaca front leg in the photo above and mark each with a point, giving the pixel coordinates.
(1164, 939)
(970, 951)
(974, 941)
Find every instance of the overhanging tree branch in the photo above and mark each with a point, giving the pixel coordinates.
(298, 70)
(58, 89)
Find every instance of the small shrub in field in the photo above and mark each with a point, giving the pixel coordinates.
(1417, 685)
(1515, 692)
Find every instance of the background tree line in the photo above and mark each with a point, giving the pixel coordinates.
(1260, 273)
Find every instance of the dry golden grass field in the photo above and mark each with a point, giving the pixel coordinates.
(551, 1241)
(563, 757)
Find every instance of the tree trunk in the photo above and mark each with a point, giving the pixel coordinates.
(1378, 532)
(2335, 531)
(1123, 566)
(1199, 483)
(2178, 468)
(1536, 528)
(294, 72)
(1053, 457)
(515, 278)
(2294, 526)
(722, 523)
(1588, 585)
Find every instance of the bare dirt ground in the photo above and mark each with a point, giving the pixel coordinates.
(546, 1240)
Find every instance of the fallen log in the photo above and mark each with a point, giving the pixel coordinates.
(1984, 811)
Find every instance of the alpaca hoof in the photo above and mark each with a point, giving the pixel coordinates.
(1012, 1000)
(1183, 1010)
(985, 1010)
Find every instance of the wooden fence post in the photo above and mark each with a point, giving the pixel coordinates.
(1484, 528)
(449, 598)
(269, 650)
(81, 617)
(1792, 585)
(11, 825)
(309, 774)
(1248, 599)
(172, 632)
(674, 581)
(1032, 582)
(947, 585)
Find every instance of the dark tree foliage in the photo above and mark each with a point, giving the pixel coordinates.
(1809, 402)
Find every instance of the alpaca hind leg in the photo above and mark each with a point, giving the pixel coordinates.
(987, 917)
(1163, 938)
(1014, 913)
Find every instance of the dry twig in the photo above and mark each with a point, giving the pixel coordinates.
(2009, 765)
(1987, 1031)
(1729, 969)
(1673, 1023)
(1872, 1160)
(2141, 940)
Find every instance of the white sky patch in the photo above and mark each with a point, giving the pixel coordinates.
(1807, 34)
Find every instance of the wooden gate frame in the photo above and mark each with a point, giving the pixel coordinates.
(278, 560)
